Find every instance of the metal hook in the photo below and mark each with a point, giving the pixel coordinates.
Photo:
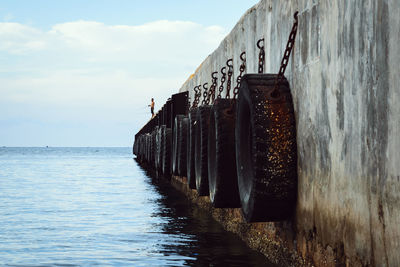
(243, 56)
(214, 75)
(258, 43)
(229, 63)
(223, 70)
(204, 86)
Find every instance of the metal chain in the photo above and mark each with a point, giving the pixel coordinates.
(205, 94)
(261, 55)
(230, 72)
(211, 93)
(197, 95)
(242, 68)
(223, 79)
(286, 55)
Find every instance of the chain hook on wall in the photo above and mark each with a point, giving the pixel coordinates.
(242, 68)
(229, 63)
(211, 92)
(223, 79)
(197, 95)
(205, 93)
(286, 55)
(261, 55)
(213, 87)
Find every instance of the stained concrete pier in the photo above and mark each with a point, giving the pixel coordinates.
(345, 82)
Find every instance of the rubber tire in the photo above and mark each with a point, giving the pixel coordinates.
(154, 149)
(266, 150)
(191, 137)
(175, 144)
(134, 147)
(140, 148)
(148, 141)
(222, 176)
(139, 153)
(146, 149)
(166, 159)
(162, 140)
(201, 145)
(151, 149)
(182, 147)
(158, 155)
(143, 153)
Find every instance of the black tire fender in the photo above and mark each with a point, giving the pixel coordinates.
(161, 147)
(166, 159)
(182, 146)
(201, 144)
(266, 149)
(191, 137)
(176, 143)
(222, 176)
(154, 143)
(158, 148)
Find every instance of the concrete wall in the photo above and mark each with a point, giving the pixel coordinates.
(345, 79)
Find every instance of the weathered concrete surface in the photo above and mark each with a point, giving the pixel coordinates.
(345, 79)
(258, 236)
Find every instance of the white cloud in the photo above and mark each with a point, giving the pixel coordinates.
(155, 41)
(92, 71)
(85, 56)
(16, 38)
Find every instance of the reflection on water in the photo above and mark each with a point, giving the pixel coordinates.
(206, 243)
(97, 206)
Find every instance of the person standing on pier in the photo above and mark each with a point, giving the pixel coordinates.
(152, 107)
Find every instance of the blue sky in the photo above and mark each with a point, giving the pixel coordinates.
(81, 73)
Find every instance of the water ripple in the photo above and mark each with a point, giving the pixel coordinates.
(96, 206)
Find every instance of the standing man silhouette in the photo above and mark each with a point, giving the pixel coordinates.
(152, 107)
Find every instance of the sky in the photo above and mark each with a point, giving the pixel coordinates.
(82, 72)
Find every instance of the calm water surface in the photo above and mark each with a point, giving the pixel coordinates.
(96, 206)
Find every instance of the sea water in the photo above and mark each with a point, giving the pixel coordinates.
(97, 206)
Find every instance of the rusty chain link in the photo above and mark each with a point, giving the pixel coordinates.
(194, 97)
(230, 73)
(197, 95)
(211, 93)
(205, 93)
(286, 55)
(223, 79)
(261, 55)
(242, 68)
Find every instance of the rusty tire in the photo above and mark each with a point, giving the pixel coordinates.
(266, 151)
